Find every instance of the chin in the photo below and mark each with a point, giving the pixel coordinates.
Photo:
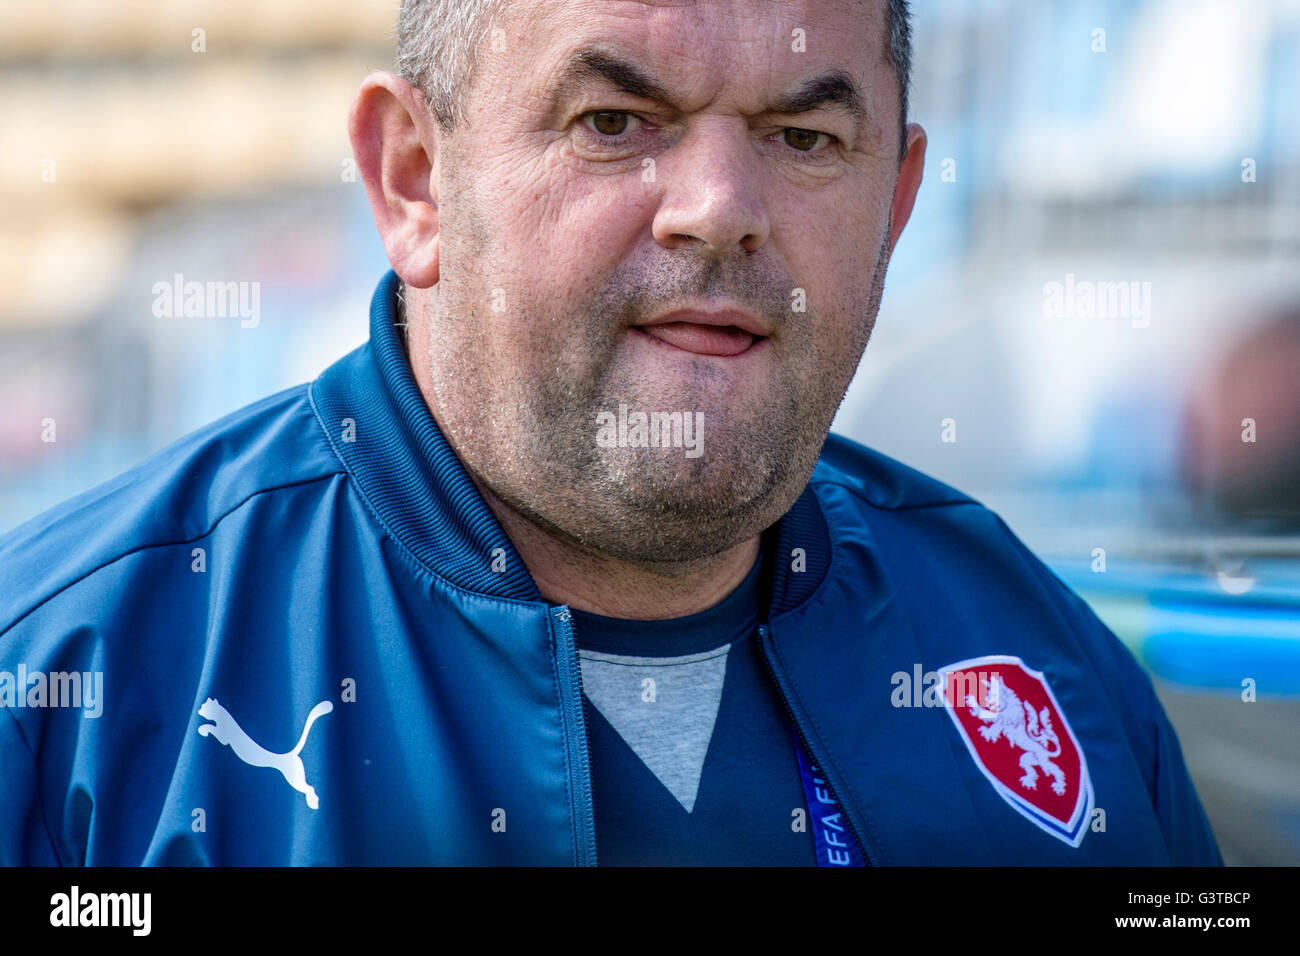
(658, 516)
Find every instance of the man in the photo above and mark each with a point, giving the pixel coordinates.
(562, 567)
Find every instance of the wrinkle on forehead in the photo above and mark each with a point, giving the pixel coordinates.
(714, 56)
(702, 48)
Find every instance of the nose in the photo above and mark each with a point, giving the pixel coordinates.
(712, 194)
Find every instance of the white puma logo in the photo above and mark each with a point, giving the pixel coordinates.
(224, 728)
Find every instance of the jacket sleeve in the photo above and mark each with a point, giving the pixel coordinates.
(1186, 829)
(24, 835)
(1183, 821)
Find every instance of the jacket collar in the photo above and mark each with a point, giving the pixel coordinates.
(381, 429)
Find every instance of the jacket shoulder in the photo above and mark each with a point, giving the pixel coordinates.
(176, 495)
(938, 533)
(881, 481)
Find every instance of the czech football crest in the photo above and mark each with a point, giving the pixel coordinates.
(1018, 736)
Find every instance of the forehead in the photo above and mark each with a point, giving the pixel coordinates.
(709, 52)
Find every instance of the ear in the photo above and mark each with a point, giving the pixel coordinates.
(909, 181)
(395, 143)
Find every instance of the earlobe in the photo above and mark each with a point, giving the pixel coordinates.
(395, 143)
(908, 183)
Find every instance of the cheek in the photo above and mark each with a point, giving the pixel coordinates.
(834, 257)
(563, 237)
(833, 252)
(586, 221)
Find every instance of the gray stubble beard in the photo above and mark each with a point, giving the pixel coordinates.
(535, 448)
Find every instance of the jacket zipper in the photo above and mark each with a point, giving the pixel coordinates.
(569, 673)
(765, 636)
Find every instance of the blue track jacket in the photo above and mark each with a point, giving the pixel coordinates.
(316, 645)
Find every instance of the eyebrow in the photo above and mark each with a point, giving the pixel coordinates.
(832, 88)
(595, 64)
(829, 89)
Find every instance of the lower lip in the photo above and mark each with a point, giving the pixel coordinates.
(712, 340)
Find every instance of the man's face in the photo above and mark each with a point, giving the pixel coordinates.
(621, 161)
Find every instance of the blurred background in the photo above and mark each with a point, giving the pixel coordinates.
(1092, 322)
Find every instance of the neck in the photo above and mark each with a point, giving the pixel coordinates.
(567, 573)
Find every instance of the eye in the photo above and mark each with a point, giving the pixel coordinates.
(610, 122)
(804, 140)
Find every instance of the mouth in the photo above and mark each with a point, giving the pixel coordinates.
(726, 341)
(725, 334)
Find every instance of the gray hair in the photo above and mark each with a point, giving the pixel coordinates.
(436, 41)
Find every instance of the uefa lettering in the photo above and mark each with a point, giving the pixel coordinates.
(834, 841)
